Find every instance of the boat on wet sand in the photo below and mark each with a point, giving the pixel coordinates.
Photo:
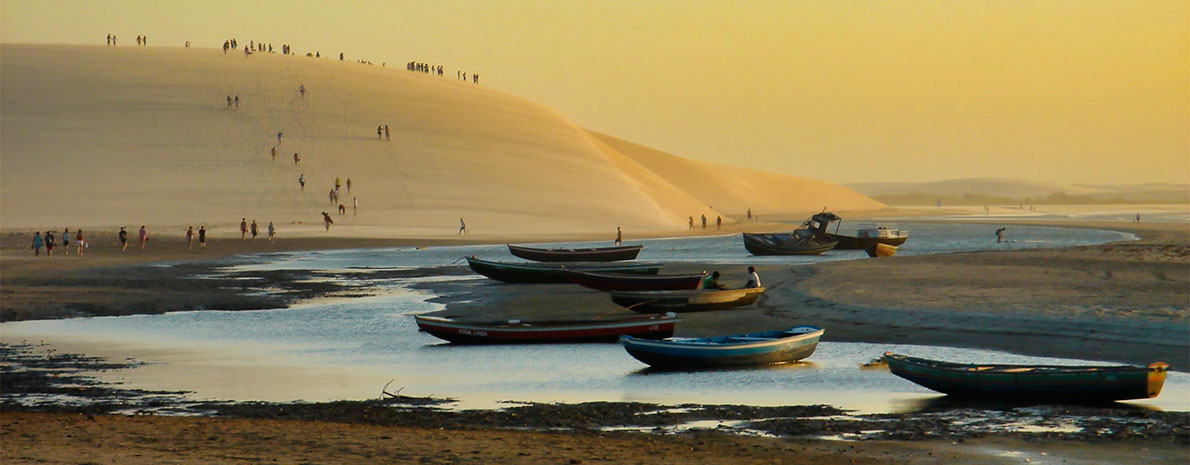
(594, 254)
(1032, 382)
(529, 332)
(810, 239)
(634, 282)
(761, 348)
(866, 238)
(686, 300)
(546, 273)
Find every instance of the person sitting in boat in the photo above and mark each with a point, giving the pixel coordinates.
(753, 278)
(711, 282)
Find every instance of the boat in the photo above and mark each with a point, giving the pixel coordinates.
(881, 250)
(551, 273)
(866, 238)
(528, 332)
(763, 348)
(1031, 382)
(686, 300)
(597, 254)
(810, 239)
(634, 282)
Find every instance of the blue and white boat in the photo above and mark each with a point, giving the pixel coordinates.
(763, 348)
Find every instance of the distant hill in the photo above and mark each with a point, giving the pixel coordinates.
(982, 191)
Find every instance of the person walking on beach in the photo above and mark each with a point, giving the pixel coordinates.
(337, 183)
(348, 186)
(1000, 234)
(229, 102)
(253, 229)
(82, 243)
(66, 241)
(302, 180)
(302, 90)
(718, 222)
(330, 195)
(704, 221)
(190, 238)
(619, 237)
(354, 206)
(49, 244)
(462, 227)
(272, 231)
(237, 100)
(1138, 217)
(386, 133)
(326, 220)
(342, 209)
(379, 132)
(691, 222)
(144, 237)
(711, 282)
(749, 213)
(109, 39)
(274, 153)
(123, 235)
(296, 158)
(37, 243)
(202, 236)
(753, 278)
(243, 228)
(279, 134)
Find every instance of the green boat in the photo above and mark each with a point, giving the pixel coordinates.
(552, 273)
(1032, 382)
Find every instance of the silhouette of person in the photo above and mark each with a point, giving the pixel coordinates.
(619, 237)
(462, 227)
(704, 221)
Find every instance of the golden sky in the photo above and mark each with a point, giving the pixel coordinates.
(845, 91)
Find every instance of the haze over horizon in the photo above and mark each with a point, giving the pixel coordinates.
(1083, 92)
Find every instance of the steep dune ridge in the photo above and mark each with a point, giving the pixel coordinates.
(105, 136)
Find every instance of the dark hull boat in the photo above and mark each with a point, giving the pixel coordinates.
(599, 254)
(786, 244)
(1032, 382)
(529, 332)
(686, 301)
(551, 273)
(634, 282)
(764, 348)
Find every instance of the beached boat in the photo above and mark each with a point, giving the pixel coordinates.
(1031, 382)
(763, 348)
(810, 239)
(543, 273)
(881, 250)
(597, 254)
(634, 282)
(686, 300)
(866, 238)
(528, 332)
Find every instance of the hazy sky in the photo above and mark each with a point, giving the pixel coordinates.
(846, 91)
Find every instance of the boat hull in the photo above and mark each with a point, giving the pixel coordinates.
(722, 352)
(881, 250)
(685, 300)
(598, 254)
(634, 282)
(1032, 382)
(505, 332)
(863, 243)
(551, 273)
(777, 244)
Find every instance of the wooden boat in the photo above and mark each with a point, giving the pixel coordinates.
(1032, 382)
(881, 250)
(634, 282)
(598, 254)
(868, 237)
(686, 300)
(551, 272)
(810, 239)
(527, 332)
(764, 348)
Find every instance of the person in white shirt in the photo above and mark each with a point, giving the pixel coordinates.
(753, 278)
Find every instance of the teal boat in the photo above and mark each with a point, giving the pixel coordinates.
(1032, 382)
(763, 348)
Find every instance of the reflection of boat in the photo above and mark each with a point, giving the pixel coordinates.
(598, 254)
(762, 348)
(551, 272)
(520, 332)
(881, 250)
(686, 300)
(867, 237)
(634, 282)
(810, 239)
(1029, 382)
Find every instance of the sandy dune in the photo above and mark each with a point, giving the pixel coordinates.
(98, 136)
